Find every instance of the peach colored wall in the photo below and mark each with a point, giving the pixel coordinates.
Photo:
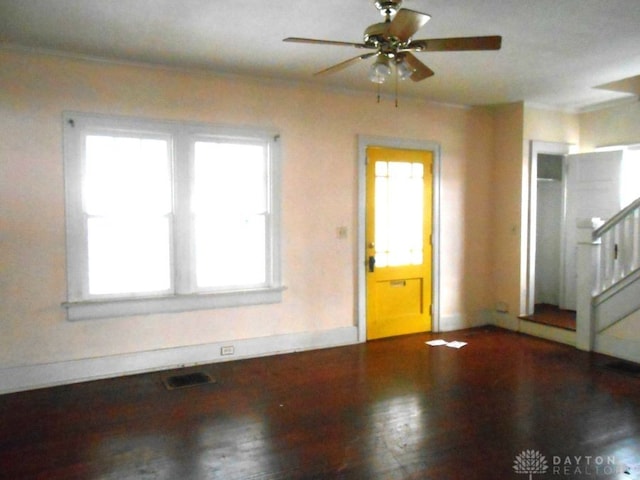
(616, 125)
(515, 126)
(550, 126)
(506, 200)
(320, 179)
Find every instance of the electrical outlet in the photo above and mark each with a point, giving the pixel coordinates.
(228, 350)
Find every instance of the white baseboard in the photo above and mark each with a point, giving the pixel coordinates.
(29, 377)
(450, 323)
(510, 322)
(484, 317)
(618, 347)
(505, 320)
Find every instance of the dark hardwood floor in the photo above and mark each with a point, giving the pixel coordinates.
(388, 409)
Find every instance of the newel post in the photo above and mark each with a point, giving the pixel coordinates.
(587, 272)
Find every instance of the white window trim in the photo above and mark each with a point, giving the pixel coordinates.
(183, 298)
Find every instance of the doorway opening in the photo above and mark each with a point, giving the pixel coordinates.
(545, 282)
(366, 249)
(550, 183)
(568, 191)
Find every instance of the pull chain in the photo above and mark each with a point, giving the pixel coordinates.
(396, 69)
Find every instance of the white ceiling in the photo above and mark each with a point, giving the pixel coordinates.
(554, 52)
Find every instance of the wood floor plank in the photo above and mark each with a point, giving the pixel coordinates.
(388, 409)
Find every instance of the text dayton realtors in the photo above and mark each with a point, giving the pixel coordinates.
(583, 465)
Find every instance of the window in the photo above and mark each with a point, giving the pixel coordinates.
(165, 216)
(399, 216)
(629, 187)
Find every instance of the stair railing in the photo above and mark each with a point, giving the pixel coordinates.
(619, 254)
(608, 259)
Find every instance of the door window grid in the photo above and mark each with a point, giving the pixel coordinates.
(399, 207)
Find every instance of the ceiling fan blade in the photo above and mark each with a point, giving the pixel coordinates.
(324, 42)
(457, 44)
(406, 23)
(420, 70)
(342, 65)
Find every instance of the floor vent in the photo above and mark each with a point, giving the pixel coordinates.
(187, 380)
(622, 366)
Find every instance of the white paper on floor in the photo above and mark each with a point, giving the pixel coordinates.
(456, 344)
(439, 342)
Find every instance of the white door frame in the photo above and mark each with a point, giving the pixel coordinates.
(365, 141)
(537, 147)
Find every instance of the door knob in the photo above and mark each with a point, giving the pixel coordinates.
(372, 263)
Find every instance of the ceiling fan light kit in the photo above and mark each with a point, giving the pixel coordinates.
(380, 70)
(404, 69)
(393, 44)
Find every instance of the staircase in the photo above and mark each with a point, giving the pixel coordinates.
(608, 310)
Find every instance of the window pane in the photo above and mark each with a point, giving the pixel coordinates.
(399, 200)
(230, 178)
(383, 231)
(230, 251)
(629, 186)
(399, 170)
(230, 210)
(126, 175)
(129, 255)
(381, 169)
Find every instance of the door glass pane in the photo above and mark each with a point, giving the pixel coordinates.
(399, 200)
(230, 208)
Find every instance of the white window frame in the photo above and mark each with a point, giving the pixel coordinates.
(184, 296)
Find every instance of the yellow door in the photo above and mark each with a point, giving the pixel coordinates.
(398, 236)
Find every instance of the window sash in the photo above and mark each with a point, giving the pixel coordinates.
(239, 203)
(142, 263)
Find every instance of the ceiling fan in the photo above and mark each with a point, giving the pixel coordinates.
(392, 44)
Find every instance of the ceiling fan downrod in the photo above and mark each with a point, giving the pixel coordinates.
(388, 8)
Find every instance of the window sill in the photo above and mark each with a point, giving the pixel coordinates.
(94, 309)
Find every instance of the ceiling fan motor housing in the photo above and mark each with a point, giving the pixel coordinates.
(376, 34)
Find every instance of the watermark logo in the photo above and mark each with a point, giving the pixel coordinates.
(533, 462)
(530, 462)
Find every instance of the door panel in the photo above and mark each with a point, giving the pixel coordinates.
(398, 231)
